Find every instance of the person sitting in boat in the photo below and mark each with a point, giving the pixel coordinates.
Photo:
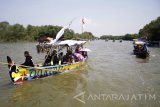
(84, 53)
(60, 57)
(28, 60)
(145, 48)
(54, 60)
(78, 49)
(48, 58)
(66, 58)
(78, 55)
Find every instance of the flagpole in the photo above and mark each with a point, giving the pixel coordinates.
(82, 23)
(82, 28)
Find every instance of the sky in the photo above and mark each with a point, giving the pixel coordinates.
(102, 17)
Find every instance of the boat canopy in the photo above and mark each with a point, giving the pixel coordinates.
(139, 42)
(60, 44)
(86, 50)
(70, 43)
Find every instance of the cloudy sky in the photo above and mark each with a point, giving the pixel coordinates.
(115, 17)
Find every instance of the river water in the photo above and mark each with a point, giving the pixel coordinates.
(111, 77)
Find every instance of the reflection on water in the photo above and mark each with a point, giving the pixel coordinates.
(110, 69)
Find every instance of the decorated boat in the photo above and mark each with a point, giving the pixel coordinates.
(21, 73)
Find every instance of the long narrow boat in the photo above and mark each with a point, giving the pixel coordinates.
(19, 73)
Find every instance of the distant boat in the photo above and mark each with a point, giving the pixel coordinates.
(106, 40)
(141, 49)
(120, 40)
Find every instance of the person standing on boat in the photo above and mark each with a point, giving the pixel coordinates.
(28, 60)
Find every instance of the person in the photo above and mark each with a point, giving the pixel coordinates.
(48, 58)
(54, 60)
(60, 57)
(145, 48)
(84, 53)
(78, 57)
(28, 60)
(77, 50)
(72, 59)
(68, 58)
(65, 60)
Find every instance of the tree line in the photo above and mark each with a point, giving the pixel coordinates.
(150, 31)
(123, 37)
(17, 32)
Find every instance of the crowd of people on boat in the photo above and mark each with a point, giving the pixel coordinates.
(70, 57)
(55, 58)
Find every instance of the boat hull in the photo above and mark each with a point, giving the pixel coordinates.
(19, 74)
(141, 54)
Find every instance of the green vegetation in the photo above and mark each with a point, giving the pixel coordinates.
(125, 37)
(111, 37)
(130, 36)
(151, 32)
(17, 32)
(85, 35)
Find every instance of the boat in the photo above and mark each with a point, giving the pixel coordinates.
(20, 73)
(113, 40)
(120, 40)
(106, 40)
(141, 49)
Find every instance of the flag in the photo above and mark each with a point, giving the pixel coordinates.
(83, 22)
